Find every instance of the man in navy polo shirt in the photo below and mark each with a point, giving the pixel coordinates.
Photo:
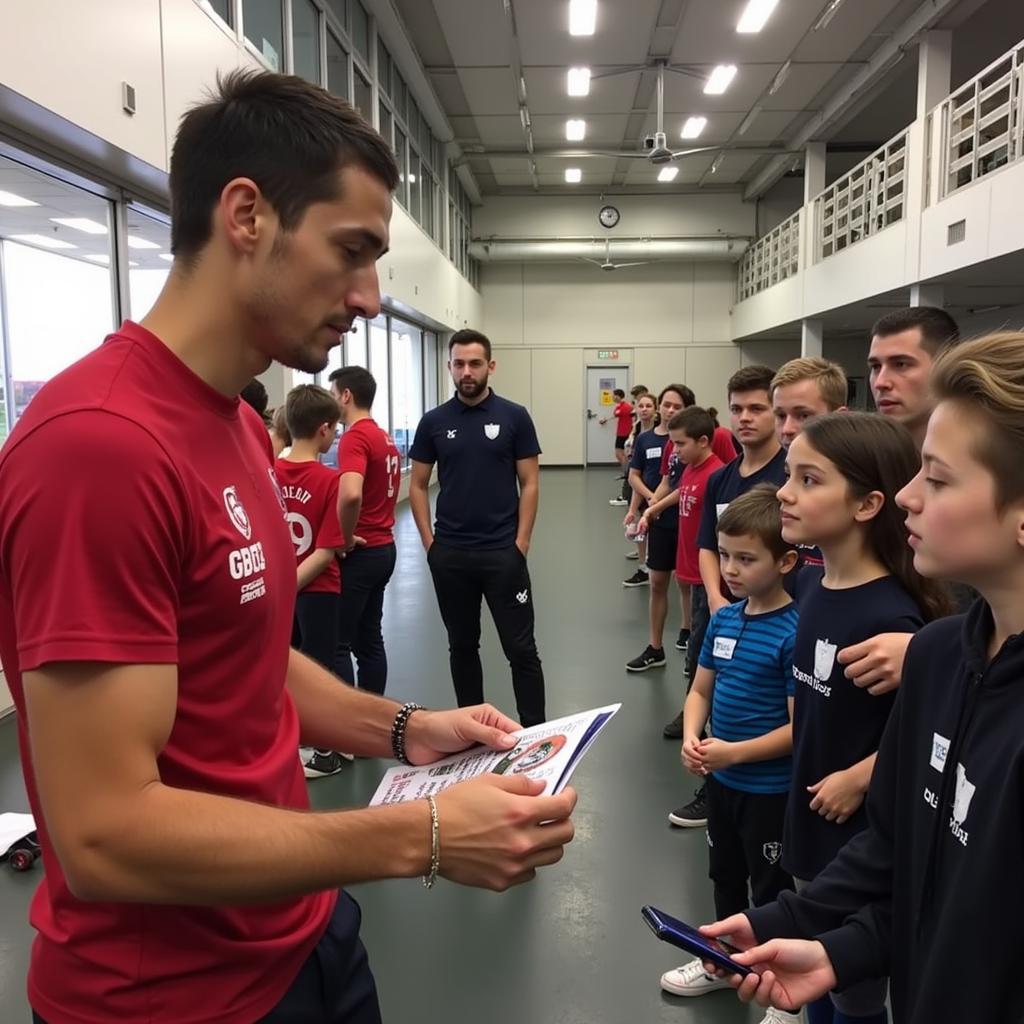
(486, 453)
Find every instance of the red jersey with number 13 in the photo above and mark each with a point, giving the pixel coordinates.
(368, 450)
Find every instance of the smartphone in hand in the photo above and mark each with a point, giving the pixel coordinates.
(672, 930)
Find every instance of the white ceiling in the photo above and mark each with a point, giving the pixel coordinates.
(57, 199)
(469, 49)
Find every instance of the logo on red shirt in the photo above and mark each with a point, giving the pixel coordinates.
(237, 513)
(277, 491)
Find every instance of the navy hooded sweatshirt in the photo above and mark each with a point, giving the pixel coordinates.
(932, 892)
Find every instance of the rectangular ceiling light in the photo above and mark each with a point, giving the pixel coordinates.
(827, 15)
(668, 173)
(780, 77)
(10, 199)
(98, 257)
(573, 175)
(579, 81)
(755, 14)
(719, 79)
(43, 241)
(693, 127)
(90, 227)
(575, 130)
(749, 119)
(134, 242)
(582, 17)
(717, 162)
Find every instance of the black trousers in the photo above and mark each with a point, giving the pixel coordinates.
(365, 573)
(334, 985)
(462, 578)
(315, 628)
(745, 846)
(700, 618)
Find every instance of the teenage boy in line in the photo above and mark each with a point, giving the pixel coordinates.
(744, 684)
(904, 347)
(763, 461)
(804, 388)
(310, 493)
(371, 469)
(623, 413)
(692, 433)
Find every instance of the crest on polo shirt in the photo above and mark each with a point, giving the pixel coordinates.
(772, 852)
(492, 430)
(236, 512)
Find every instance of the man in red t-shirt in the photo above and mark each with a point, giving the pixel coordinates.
(371, 470)
(623, 413)
(147, 585)
(310, 493)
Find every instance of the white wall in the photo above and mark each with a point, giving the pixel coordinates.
(669, 321)
(172, 51)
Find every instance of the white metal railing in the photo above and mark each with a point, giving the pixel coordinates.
(983, 123)
(864, 201)
(770, 259)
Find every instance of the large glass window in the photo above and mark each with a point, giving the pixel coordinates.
(361, 30)
(406, 384)
(306, 40)
(384, 122)
(400, 93)
(339, 8)
(355, 345)
(383, 66)
(263, 24)
(363, 99)
(55, 254)
(337, 67)
(222, 8)
(402, 192)
(149, 241)
(431, 368)
(379, 368)
(415, 183)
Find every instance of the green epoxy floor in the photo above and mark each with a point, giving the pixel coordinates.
(570, 947)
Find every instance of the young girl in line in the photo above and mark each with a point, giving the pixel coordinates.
(646, 420)
(844, 471)
(932, 892)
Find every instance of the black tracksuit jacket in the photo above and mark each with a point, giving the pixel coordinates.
(932, 892)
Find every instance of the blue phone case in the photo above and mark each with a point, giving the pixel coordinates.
(672, 930)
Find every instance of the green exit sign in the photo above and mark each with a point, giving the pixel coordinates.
(607, 353)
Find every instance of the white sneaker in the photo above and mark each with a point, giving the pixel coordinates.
(691, 980)
(774, 1016)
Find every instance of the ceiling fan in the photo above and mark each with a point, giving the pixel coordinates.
(608, 264)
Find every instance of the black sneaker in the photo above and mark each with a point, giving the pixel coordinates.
(638, 579)
(321, 764)
(694, 814)
(683, 641)
(674, 729)
(651, 658)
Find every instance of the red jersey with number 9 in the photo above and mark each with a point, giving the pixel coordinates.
(310, 492)
(368, 450)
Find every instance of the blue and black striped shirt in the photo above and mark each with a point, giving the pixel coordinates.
(752, 658)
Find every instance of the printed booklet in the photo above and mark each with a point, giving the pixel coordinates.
(549, 752)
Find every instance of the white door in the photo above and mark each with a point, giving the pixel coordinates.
(601, 382)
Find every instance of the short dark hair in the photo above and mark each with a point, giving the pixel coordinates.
(279, 425)
(359, 381)
(751, 378)
(695, 422)
(468, 337)
(307, 408)
(938, 328)
(682, 391)
(756, 513)
(618, 393)
(255, 394)
(289, 136)
(638, 389)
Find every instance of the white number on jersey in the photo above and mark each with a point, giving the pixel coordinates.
(302, 533)
(391, 466)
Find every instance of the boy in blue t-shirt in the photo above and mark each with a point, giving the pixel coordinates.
(744, 683)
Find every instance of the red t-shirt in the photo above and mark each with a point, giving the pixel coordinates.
(691, 501)
(140, 522)
(722, 446)
(623, 414)
(310, 493)
(369, 451)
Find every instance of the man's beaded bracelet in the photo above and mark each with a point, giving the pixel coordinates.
(398, 730)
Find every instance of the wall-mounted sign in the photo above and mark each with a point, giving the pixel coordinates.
(607, 353)
(607, 398)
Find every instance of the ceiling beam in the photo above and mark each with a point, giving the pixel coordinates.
(882, 61)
